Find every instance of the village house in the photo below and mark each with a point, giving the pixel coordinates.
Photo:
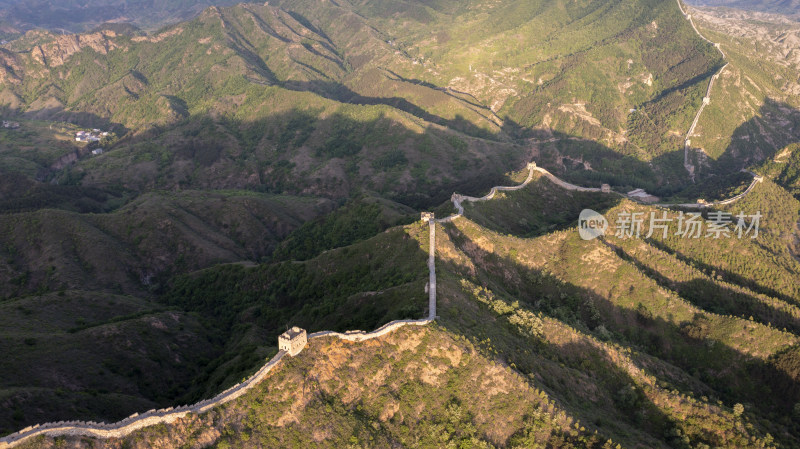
(10, 125)
(293, 341)
(94, 135)
(97, 151)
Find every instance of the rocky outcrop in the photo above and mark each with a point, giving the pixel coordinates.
(57, 52)
(10, 68)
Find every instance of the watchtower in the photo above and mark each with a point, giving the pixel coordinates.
(605, 188)
(427, 216)
(293, 341)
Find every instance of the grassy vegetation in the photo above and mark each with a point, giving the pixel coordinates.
(357, 287)
(784, 169)
(234, 97)
(617, 340)
(753, 112)
(88, 354)
(152, 238)
(269, 156)
(723, 313)
(205, 331)
(357, 220)
(540, 208)
(435, 390)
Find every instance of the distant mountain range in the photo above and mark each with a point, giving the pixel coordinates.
(787, 7)
(267, 165)
(74, 15)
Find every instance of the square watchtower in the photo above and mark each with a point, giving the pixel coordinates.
(293, 341)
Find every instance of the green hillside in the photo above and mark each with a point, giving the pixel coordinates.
(290, 89)
(266, 167)
(549, 340)
(753, 114)
(95, 354)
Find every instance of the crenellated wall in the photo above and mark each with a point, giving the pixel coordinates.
(706, 100)
(169, 415)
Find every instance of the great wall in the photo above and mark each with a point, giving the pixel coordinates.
(706, 100)
(169, 415)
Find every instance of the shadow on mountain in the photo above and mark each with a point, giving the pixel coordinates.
(19, 193)
(705, 78)
(590, 163)
(776, 125)
(538, 208)
(581, 379)
(458, 95)
(714, 297)
(85, 119)
(771, 386)
(221, 323)
(336, 91)
(726, 275)
(300, 152)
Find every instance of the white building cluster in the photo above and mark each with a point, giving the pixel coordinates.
(94, 135)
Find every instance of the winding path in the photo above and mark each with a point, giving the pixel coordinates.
(706, 100)
(458, 199)
(169, 415)
(702, 205)
(532, 167)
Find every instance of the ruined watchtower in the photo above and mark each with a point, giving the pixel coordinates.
(293, 341)
(427, 216)
(605, 188)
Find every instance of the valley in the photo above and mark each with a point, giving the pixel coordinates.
(266, 168)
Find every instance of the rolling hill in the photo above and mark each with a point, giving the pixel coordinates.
(302, 86)
(266, 165)
(547, 339)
